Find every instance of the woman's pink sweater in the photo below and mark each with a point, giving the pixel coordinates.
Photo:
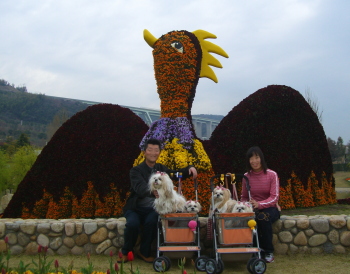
(264, 188)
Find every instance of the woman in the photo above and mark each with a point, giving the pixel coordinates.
(264, 191)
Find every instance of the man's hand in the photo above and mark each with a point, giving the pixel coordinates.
(193, 171)
(155, 193)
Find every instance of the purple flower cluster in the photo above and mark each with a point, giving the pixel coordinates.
(166, 129)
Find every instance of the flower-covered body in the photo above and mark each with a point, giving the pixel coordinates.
(180, 148)
(165, 129)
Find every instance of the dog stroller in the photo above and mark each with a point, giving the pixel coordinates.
(233, 233)
(176, 233)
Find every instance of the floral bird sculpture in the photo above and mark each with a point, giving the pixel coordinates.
(180, 59)
(68, 181)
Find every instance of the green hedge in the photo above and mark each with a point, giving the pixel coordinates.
(341, 167)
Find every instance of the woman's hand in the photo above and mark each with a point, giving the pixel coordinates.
(254, 203)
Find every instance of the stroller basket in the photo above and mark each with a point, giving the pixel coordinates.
(178, 234)
(233, 233)
(233, 228)
(175, 227)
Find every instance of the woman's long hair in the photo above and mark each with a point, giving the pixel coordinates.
(252, 152)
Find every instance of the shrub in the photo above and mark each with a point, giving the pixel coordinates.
(344, 201)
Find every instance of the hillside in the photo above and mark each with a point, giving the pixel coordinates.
(24, 112)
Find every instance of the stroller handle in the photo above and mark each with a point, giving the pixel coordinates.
(195, 184)
(227, 175)
(196, 188)
(179, 176)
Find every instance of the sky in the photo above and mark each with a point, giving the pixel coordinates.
(94, 50)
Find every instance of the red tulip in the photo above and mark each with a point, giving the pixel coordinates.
(185, 272)
(6, 239)
(39, 248)
(111, 253)
(45, 249)
(116, 267)
(120, 255)
(130, 256)
(56, 263)
(3, 271)
(88, 256)
(108, 271)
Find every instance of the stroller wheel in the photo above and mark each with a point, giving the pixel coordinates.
(168, 265)
(211, 266)
(220, 266)
(161, 264)
(200, 263)
(249, 264)
(257, 266)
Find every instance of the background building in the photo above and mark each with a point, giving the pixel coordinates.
(204, 124)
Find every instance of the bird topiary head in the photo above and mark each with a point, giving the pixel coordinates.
(180, 59)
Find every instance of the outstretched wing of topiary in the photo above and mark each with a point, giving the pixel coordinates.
(84, 170)
(279, 120)
(180, 59)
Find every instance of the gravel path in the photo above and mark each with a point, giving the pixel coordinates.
(342, 189)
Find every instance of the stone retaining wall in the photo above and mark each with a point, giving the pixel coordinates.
(296, 234)
(70, 236)
(314, 234)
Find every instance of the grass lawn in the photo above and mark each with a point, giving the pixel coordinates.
(342, 186)
(298, 264)
(343, 194)
(340, 181)
(336, 209)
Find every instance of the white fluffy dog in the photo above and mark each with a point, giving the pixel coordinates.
(169, 201)
(193, 206)
(241, 207)
(223, 203)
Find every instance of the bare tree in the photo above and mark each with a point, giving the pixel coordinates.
(60, 117)
(332, 146)
(313, 102)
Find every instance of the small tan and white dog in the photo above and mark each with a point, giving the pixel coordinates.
(169, 201)
(223, 203)
(193, 206)
(241, 207)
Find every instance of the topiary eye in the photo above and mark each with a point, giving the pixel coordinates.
(178, 46)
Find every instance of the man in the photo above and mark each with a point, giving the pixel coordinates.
(138, 209)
